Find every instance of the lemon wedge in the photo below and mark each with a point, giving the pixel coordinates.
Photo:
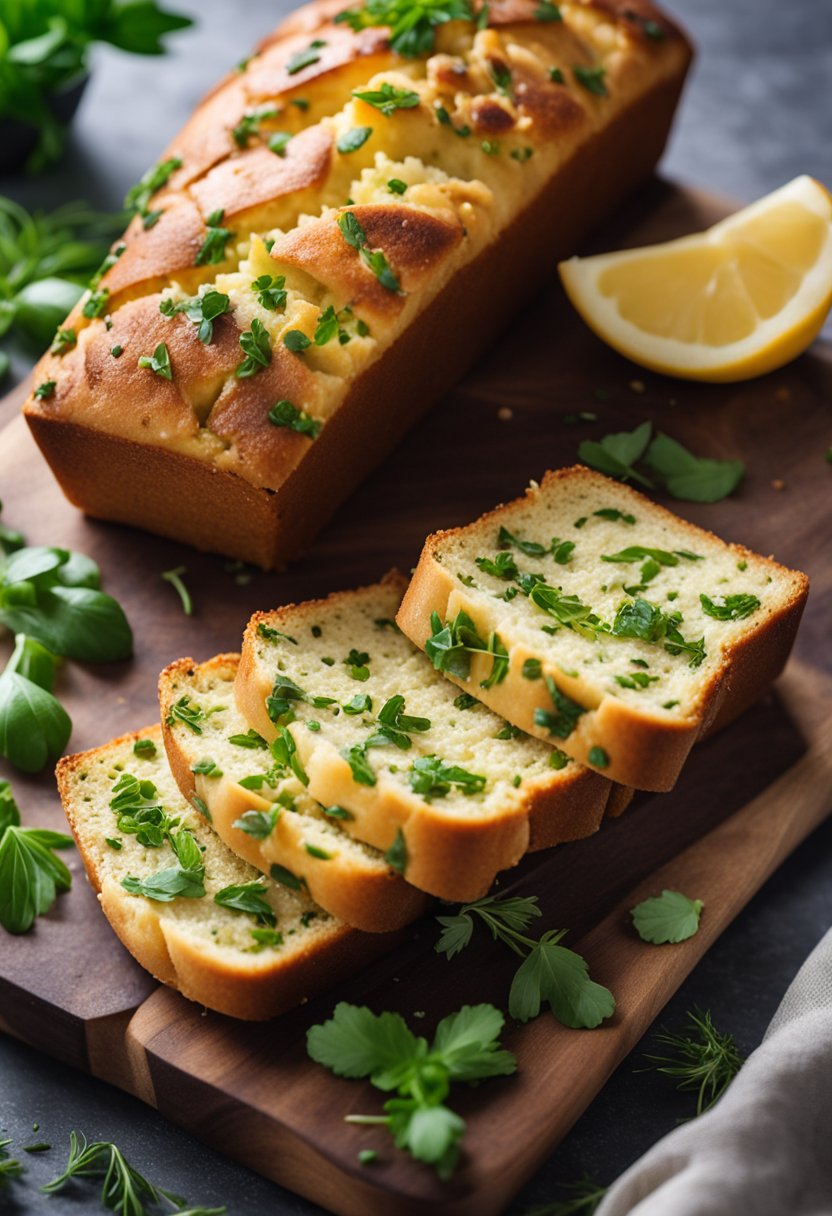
(736, 301)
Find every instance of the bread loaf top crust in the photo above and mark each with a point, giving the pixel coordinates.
(323, 194)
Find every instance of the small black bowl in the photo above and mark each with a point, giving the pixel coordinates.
(20, 138)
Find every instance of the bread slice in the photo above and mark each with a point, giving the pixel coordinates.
(324, 675)
(306, 844)
(209, 952)
(592, 664)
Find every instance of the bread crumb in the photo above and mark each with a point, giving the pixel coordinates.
(778, 484)
(505, 413)
(638, 386)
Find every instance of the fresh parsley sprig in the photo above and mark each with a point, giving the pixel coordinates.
(700, 1059)
(31, 876)
(203, 310)
(412, 22)
(669, 917)
(549, 973)
(358, 1043)
(683, 475)
(451, 646)
(355, 236)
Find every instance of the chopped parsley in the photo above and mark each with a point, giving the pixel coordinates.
(96, 304)
(256, 346)
(563, 718)
(249, 124)
(305, 58)
(158, 362)
(285, 414)
(138, 197)
(591, 79)
(412, 22)
(45, 390)
(387, 98)
(203, 310)
(729, 607)
(271, 291)
(353, 139)
(433, 778)
(63, 341)
(396, 185)
(354, 235)
(279, 142)
(212, 250)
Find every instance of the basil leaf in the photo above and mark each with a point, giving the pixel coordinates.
(34, 727)
(77, 622)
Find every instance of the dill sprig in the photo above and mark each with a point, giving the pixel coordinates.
(581, 1198)
(703, 1060)
(124, 1189)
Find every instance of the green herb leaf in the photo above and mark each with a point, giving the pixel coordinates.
(285, 414)
(166, 885)
(689, 477)
(138, 197)
(158, 362)
(396, 855)
(256, 346)
(258, 824)
(387, 98)
(202, 310)
(669, 917)
(432, 778)
(271, 291)
(559, 977)
(305, 58)
(563, 718)
(30, 875)
(353, 139)
(729, 607)
(212, 250)
(249, 897)
(360, 767)
(354, 235)
(124, 1189)
(412, 24)
(616, 454)
(592, 79)
(34, 727)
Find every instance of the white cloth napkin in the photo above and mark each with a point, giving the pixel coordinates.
(765, 1149)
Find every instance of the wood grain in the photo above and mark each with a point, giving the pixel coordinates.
(746, 798)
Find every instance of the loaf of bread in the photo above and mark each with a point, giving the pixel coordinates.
(629, 632)
(250, 953)
(260, 809)
(449, 791)
(350, 206)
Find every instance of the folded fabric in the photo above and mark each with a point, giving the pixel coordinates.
(766, 1147)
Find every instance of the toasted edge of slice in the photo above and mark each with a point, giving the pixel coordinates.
(453, 856)
(644, 749)
(355, 885)
(253, 987)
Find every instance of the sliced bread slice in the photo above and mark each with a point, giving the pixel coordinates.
(260, 809)
(229, 939)
(623, 632)
(447, 789)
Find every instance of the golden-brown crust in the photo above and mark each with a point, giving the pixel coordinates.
(373, 900)
(247, 184)
(155, 255)
(164, 950)
(453, 856)
(240, 519)
(117, 396)
(644, 749)
(415, 244)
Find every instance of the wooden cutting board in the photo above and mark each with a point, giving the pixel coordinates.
(745, 800)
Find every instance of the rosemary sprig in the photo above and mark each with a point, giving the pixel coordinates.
(9, 1167)
(703, 1060)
